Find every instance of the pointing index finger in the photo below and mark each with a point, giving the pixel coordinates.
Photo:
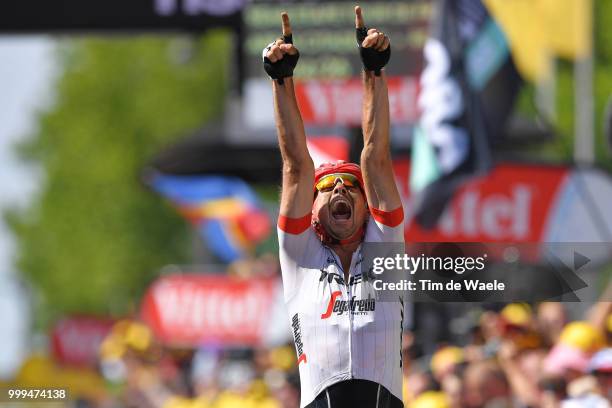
(359, 23)
(286, 24)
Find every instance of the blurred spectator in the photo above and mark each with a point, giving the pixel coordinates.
(600, 367)
(430, 399)
(570, 356)
(518, 326)
(552, 390)
(486, 386)
(452, 387)
(445, 361)
(445, 366)
(418, 382)
(551, 318)
(517, 358)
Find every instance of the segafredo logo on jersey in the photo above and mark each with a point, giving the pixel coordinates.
(353, 306)
(297, 337)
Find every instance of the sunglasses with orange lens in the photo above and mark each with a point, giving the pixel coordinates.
(328, 182)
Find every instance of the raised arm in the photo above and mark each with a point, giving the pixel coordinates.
(280, 58)
(376, 154)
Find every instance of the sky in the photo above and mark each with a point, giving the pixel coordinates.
(27, 70)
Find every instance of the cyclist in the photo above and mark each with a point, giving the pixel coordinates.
(348, 345)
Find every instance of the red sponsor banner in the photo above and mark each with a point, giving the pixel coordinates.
(513, 203)
(338, 102)
(193, 309)
(76, 340)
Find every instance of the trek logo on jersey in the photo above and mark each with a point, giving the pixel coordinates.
(297, 337)
(353, 306)
(331, 277)
(334, 277)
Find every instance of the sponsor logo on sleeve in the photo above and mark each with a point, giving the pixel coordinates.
(297, 337)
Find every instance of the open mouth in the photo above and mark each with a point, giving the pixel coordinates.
(341, 209)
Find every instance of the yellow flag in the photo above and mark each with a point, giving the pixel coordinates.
(570, 25)
(537, 30)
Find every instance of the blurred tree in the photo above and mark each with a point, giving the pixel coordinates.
(94, 237)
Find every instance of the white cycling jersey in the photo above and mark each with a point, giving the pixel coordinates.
(340, 330)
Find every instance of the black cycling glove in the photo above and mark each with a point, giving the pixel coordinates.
(372, 59)
(282, 68)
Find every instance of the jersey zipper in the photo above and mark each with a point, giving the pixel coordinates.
(348, 298)
(349, 294)
(350, 317)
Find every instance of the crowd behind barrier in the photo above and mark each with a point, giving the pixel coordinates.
(515, 355)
